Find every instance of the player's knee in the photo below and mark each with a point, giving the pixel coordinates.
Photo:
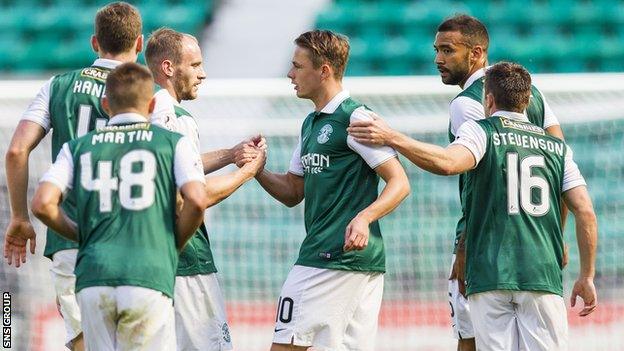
(291, 347)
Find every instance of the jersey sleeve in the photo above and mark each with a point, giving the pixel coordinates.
(464, 109)
(472, 136)
(164, 113)
(572, 176)
(187, 165)
(61, 173)
(296, 166)
(187, 126)
(549, 116)
(39, 109)
(373, 155)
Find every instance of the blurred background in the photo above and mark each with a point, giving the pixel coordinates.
(575, 48)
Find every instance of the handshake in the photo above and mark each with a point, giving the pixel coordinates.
(250, 155)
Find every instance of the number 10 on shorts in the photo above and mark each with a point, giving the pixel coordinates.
(284, 310)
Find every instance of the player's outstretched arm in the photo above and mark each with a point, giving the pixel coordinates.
(397, 188)
(578, 201)
(241, 153)
(220, 187)
(286, 188)
(46, 205)
(26, 137)
(192, 213)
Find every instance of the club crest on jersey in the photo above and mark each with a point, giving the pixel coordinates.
(324, 134)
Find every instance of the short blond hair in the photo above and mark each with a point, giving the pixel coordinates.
(164, 44)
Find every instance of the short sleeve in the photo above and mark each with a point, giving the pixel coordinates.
(39, 109)
(164, 113)
(549, 116)
(472, 136)
(187, 165)
(464, 109)
(61, 173)
(572, 176)
(296, 166)
(373, 155)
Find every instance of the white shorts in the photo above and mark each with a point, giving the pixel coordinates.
(64, 280)
(460, 311)
(329, 309)
(519, 320)
(126, 318)
(200, 318)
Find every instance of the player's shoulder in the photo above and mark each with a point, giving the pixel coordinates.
(473, 92)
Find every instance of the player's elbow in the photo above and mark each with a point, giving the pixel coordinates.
(292, 201)
(196, 202)
(42, 207)
(15, 153)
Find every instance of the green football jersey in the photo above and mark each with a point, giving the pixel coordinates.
(125, 186)
(338, 184)
(535, 113)
(196, 257)
(512, 202)
(74, 109)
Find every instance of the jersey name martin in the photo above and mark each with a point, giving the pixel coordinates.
(314, 163)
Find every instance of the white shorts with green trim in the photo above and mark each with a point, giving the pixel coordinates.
(460, 310)
(126, 318)
(329, 309)
(64, 280)
(519, 320)
(201, 322)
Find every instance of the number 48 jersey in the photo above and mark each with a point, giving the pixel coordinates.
(124, 178)
(513, 204)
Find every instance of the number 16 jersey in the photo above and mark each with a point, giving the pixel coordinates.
(513, 204)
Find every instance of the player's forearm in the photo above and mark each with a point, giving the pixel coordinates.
(17, 181)
(190, 218)
(396, 190)
(432, 158)
(217, 159)
(220, 187)
(280, 187)
(587, 240)
(53, 216)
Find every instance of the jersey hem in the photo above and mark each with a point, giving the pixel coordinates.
(121, 282)
(195, 271)
(515, 287)
(341, 267)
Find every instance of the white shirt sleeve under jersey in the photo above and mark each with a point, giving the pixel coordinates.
(549, 116)
(572, 176)
(473, 137)
(187, 165)
(464, 109)
(61, 173)
(39, 109)
(296, 166)
(164, 116)
(373, 155)
(164, 112)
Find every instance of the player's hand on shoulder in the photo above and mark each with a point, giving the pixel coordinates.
(356, 234)
(16, 238)
(585, 289)
(374, 131)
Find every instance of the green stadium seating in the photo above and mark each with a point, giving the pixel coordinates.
(38, 35)
(545, 36)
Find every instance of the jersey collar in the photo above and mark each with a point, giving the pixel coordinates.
(511, 115)
(473, 78)
(127, 118)
(106, 63)
(333, 104)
